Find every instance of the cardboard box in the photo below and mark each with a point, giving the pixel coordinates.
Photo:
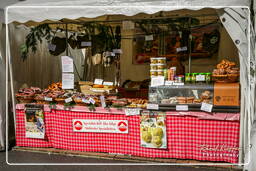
(226, 94)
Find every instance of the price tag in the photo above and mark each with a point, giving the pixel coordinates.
(113, 54)
(206, 107)
(157, 81)
(117, 51)
(48, 99)
(51, 47)
(91, 100)
(103, 102)
(178, 84)
(181, 49)
(106, 83)
(98, 81)
(169, 82)
(149, 37)
(181, 107)
(200, 78)
(86, 43)
(68, 100)
(152, 106)
(86, 101)
(132, 111)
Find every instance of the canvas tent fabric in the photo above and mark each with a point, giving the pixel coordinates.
(234, 19)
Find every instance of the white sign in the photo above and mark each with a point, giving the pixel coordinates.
(180, 49)
(98, 81)
(86, 43)
(200, 78)
(132, 111)
(68, 81)
(100, 126)
(181, 107)
(91, 100)
(68, 100)
(106, 83)
(152, 106)
(67, 64)
(169, 82)
(85, 101)
(149, 37)
(178, 84)
(48, 99)
(102, 101)
(128, 25)
(157, 81)
(117, 51)
(51, 47)
(206, 107)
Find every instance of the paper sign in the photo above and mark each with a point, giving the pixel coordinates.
(157, 81)
(152, 106)
(85, 101)
(48, 99)
(117, 51)
(128, 25)
(101, 126)
(98, 81)
(68, 100)
(113, 54)
(132, 111)
(206, 107)
(102, 101)
(106, 83)
(149, 37)
(200, 78)
(179, 84)
(86, 43)
(51, 47)
(91, 100)
(180, 49)
(67, 64)
(67, 81)
(169, 82)
(181, 107)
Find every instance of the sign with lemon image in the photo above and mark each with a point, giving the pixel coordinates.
(153, 130)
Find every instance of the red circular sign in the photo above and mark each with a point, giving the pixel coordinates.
(122, 126)
(78, 125)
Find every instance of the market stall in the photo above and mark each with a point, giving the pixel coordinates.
(166, 116)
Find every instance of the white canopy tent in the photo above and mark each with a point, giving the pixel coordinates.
(234, 15)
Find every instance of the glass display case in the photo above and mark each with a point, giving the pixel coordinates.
(182, 94)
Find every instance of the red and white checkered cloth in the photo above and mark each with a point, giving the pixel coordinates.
(188, 137)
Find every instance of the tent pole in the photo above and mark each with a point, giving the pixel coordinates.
(189, 45)
(66, 38)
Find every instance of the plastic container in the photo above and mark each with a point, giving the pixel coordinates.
(154, 60)
(161, 60)
(161, 66)
(153, 73)
(153, 66)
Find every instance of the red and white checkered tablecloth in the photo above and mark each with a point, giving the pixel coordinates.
(188, 137)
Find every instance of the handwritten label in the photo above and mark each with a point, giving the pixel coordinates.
(102, 101)
(157, 81)
(178, 84)
(106, 83)
(98, 81)
(200, 78)
(181, 107)
(152, 106)
(85, 101)
(181, 49)
(149, 38)
(68, 100)
(86, 43)
(206, 107)
(132, 111)
(169, 82)
(48, 99)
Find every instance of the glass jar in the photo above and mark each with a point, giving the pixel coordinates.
(193, 77)
(208, 77)
(187, 77)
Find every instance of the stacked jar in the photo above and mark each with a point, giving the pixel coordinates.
(157, 66)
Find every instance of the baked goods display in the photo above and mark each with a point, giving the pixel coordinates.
(26, 95)
(226, 72)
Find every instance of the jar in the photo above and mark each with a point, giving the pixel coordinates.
(161, 60)
(160, 72)
(193, 77)
(153, 60)
(153, 66)
(187, 77)
(161, 66)
(153, 73)
(208, 77)
(180, 79)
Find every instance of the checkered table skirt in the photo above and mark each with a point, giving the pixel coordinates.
(188, 137)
